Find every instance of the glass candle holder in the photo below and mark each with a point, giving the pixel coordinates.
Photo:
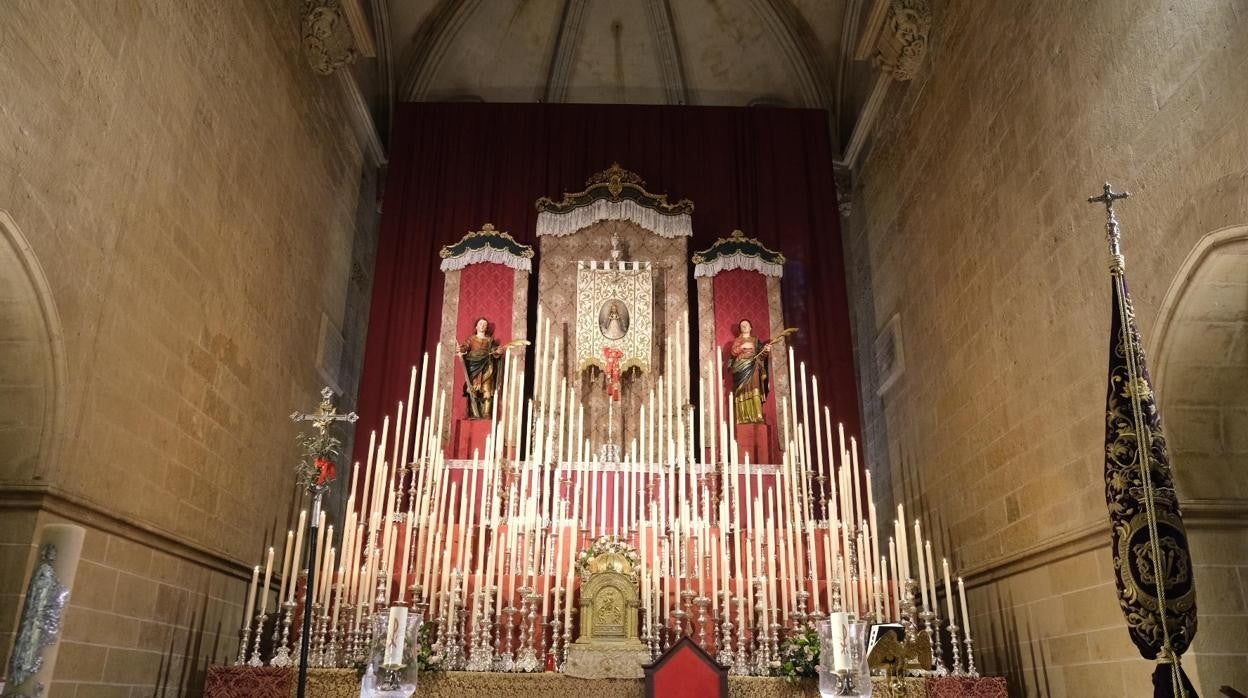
(843, 668)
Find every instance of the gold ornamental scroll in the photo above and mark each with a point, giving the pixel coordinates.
(614, 308)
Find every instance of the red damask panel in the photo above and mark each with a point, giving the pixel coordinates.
(485, 290)
(740, 294)
(248, 682)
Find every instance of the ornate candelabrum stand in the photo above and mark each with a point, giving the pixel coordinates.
(953, 646)
(933, 638)
(453, 649)
(761, 655)
(255, 650)
(567, 636)
(281, 657)
(317, 641)
(970, 659)
(244, 642)
(362, 637)
(740, 665)
(527, 660)
(799, 616)
(724, 656)
(909, 611)
(937, 654)
(504, 656)
(481, 657)
(686, 605)
(555, 624)
(702, 603)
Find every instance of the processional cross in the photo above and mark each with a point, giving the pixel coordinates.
(321, 448)
(1112, 234)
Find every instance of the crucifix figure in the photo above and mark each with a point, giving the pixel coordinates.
(325, 415)
(1108, 197)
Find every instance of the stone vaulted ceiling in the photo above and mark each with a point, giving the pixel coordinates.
(707, 52)
(838, 55)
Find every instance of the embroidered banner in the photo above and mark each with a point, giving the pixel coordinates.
(614, 310)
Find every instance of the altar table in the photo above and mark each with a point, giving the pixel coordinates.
(266, 682)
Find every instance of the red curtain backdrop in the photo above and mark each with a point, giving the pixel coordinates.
(739, 295)
(767, 171)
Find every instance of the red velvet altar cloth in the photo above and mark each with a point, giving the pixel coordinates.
(767, 171)
(249, 682)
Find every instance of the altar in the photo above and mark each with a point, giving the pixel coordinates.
(232, 682)
(637, 473)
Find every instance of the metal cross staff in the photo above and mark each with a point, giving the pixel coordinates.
(1112, 234)
(324, 416)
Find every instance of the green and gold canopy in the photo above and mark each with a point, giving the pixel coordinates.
(487, 245)
(615, 194)
(738, 252)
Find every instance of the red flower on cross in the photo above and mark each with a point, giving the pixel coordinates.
(613, 357)
(328, 471)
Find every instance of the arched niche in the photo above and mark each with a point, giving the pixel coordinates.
(32, 363)
(1202, 368)
(1201, 379)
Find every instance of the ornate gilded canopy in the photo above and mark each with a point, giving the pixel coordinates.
(738, 252)
(614, 194)
(486, 245)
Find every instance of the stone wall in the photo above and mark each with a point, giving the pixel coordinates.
(970, 221)
(192, 193)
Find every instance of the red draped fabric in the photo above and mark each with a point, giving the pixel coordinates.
(767, 171)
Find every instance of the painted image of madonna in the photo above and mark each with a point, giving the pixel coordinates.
(613, 319)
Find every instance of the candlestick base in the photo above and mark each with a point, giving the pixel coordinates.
(255, 652)
(281, 658)
(953, 646)
(244, 639)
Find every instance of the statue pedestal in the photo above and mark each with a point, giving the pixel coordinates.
(755, 440)
(468, 435)
(607, 660)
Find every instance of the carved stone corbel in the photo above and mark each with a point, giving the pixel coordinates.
(327, 37)
(843, 179)
(902, 42)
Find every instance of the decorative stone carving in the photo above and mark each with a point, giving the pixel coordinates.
(327, 37)
(903, 40)
(843, 180)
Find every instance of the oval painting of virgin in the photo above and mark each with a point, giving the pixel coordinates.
(613, 319)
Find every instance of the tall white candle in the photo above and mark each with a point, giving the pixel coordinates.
(966, 617)
(396, 635)
(268, 578)
(948, 591)
(251, 598)
(281, 589)
(296, 559)
(931, 576)
(918, 549)
(897, 583)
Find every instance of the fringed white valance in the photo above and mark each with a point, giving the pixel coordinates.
(738, 261)
(665, 225)
(487, 254)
